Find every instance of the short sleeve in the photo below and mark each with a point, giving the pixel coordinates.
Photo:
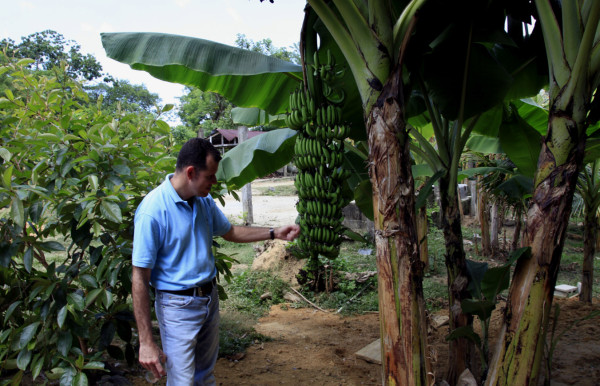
(221, 224)
(147, 236)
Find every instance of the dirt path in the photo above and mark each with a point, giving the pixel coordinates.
(316, 348)
(267, 210)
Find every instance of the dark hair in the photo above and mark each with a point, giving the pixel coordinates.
(194, 153)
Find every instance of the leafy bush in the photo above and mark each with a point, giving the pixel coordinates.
(71, 180)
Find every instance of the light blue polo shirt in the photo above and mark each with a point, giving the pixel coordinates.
(174, 239)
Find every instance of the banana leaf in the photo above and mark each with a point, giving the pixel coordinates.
(252, 116)
(246, 78)
(257, 157)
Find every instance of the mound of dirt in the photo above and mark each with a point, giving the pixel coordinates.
(272, 256)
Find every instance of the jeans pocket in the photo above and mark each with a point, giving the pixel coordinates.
(175, 301)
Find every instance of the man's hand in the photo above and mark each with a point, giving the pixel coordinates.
(287, 232)
(152, 359)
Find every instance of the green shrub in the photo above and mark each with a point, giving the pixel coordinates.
(72, 177)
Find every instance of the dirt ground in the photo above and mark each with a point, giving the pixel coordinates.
(318, 348)
(311, 347)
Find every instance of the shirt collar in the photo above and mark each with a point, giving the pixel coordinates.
(171, 190)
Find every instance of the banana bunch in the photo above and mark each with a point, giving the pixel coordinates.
(302, 109)
(319, 153)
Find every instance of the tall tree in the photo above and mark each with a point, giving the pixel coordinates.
(205, 111)
(123, 96)
(48, 48)
(570, 30)
(266, 47)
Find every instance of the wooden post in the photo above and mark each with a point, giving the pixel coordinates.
(246, 189)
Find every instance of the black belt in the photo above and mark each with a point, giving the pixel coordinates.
(203, 290)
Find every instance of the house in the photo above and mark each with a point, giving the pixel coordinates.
(225, 139)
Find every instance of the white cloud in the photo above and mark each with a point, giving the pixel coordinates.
(182, 3)
(27, 5)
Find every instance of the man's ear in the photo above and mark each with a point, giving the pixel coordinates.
(190, 172)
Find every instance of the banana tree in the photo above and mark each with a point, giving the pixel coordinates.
(588, 187)
(463, 95)
(571, 37)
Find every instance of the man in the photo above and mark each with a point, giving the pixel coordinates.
(174, 228)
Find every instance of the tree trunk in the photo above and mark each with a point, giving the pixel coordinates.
(517, 233)
(589, 249)
(422, 229)
(521, 341)
(400, 270)
(473, 188)
(494, 229)
(484, 222)
(248, 211)
(461, 350)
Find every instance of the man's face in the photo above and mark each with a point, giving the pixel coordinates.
(203, 180)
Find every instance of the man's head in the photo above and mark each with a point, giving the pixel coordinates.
(196, 168)
(195, 152)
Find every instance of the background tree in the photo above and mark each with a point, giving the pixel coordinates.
(122, 96)
(266, 47)
(205, 111)
(48, 48)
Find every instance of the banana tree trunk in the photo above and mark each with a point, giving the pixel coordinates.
(461, 350)
(494, 229)
(521, 341)
(517, 232)
(484, 222)
(589, 249)
(422, 229)
(400, 270)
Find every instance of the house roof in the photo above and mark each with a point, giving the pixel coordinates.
(230, 134)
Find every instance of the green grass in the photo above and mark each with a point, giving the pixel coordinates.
(277, 190)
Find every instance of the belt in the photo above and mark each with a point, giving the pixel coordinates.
(203, 290)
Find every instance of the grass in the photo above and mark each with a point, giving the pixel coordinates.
(276, 190)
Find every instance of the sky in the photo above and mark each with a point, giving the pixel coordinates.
(216, 20)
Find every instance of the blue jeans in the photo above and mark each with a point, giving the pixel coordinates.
(189, 330)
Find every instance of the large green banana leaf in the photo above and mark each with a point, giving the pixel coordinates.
(253, 116)
(246, 78)
(257, 157)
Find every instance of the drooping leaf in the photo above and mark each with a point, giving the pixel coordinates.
(246, 78)
(64, 343)
(61, 316)
(28, 259)
(27, 334)
(482, 308)
(484, 144)
(23, 359)
(51, 246)
(465, 332)
(476, 270)
(11, 309)
(17, 212)
(495, 280)
(107, 333)
(76, 300)
(257, 157)
(94, 366)
(111, 211)
(255, 117)
(80, 379)
(522, 144)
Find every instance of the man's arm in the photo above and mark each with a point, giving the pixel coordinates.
(150, 355)
(240, 234)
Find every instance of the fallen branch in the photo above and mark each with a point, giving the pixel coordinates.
(308, 301)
